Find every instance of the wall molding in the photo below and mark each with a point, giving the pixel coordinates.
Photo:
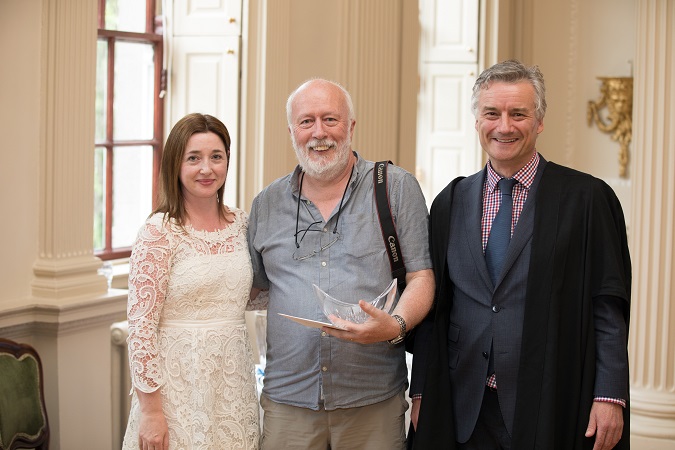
(34, 318)
(652, 413)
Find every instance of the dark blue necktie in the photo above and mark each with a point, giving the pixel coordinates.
(500, 232)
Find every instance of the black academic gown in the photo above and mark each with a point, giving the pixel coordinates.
(579, 248)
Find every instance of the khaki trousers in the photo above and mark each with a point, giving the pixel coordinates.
(373, 427)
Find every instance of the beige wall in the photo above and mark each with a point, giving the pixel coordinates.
(20, 35)
(358, 44)
(573, 43)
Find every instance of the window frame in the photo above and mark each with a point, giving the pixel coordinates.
(153, 36)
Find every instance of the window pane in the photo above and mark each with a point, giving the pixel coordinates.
(134, 91)
(125, 15)
(99, 198)
(132, 192)
(101, 88)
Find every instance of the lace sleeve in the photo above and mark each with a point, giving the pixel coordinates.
(148, 281)
(260, 302)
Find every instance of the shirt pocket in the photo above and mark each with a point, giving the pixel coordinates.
(362, 235)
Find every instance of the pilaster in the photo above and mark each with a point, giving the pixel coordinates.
(652, 336)
(65, 266)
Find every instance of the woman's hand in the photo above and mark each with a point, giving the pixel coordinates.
(153, 430)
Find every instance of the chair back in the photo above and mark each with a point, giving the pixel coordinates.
(23, 415)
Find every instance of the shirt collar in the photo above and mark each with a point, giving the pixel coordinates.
(524, 176)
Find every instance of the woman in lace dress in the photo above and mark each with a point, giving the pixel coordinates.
(189, 285)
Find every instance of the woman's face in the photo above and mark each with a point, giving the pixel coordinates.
(203, 169)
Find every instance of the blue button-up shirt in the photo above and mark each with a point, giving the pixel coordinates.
(305, 367)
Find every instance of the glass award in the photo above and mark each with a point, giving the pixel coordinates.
(352, 312)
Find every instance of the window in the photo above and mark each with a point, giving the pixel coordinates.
(129, 118)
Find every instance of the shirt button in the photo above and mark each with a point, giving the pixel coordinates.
(323, 333)
(325, 229)
(323, 263)
(485, 355)
(496, 308)
(324, 368)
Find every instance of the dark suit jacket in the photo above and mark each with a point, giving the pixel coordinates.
(579, 254)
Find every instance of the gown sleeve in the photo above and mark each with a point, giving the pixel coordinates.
(148, 282)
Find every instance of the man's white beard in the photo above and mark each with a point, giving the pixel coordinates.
(326, 167)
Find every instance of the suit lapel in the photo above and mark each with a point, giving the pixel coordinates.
(472, 198)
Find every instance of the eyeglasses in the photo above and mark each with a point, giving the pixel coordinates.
(299, 255)
(304, 231)
(307, 250)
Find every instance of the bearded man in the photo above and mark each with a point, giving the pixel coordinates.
(329, 388)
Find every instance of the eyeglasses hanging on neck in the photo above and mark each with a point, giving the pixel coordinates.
(301, 233)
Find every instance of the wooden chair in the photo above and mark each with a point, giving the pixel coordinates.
(23, 415)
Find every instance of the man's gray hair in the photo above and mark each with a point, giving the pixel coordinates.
(345, 93)
(512, 71)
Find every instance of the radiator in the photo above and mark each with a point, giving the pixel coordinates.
(121, 381)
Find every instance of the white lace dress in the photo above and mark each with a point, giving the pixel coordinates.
(188, 291)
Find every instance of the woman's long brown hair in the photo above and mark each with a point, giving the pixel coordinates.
(171, 201)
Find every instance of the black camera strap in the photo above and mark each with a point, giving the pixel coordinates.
(389, 235)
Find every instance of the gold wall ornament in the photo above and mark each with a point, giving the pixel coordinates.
(617, 96)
